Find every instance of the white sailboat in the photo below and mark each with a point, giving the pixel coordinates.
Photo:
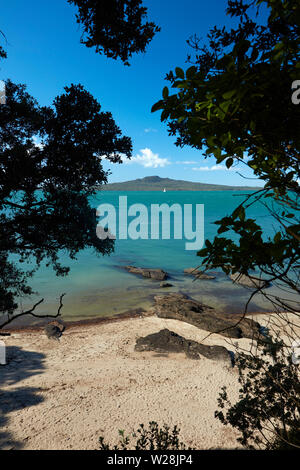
(165, 190)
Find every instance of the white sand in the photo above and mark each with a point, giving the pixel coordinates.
(64, 395)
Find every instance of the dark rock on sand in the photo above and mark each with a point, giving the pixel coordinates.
(180, 307)
(156, 274)
(195, 272)
(167, 341)
(249, 281)
(54, 330)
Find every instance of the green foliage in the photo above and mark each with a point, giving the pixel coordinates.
(235, 105)
(115, 28)
(151, 438)
(236, 101)
(50, 164)
(267, 414)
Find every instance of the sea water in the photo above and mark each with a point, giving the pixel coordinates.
(100, 286)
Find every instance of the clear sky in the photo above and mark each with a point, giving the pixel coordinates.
(45, 53)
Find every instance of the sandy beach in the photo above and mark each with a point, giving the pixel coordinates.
(65, 394)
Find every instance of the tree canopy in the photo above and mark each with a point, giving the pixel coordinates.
(50, 157)
(50, 163)
(234, 103)
(115, 28)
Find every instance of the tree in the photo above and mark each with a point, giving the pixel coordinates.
(115, 27)
(50, 163)
(234, 103)
(51, 158)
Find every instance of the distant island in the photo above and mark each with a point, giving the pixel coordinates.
(155, 183)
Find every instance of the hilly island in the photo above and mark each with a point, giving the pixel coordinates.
(155, 183)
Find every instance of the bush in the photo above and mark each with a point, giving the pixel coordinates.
(151, 438)
(267, 413)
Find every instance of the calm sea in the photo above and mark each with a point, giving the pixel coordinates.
(99, 286)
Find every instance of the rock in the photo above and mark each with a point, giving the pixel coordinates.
(167, 341)
(54, 330)
(249, 281)
(199, 274)
(191, 270)
(207, 277)
(165, 284)
(156, 274)
(180, 307)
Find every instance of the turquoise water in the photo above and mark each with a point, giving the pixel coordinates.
(99, 286)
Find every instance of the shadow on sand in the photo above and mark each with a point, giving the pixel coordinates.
(21, 365)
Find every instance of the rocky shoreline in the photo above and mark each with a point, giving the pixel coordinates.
(154, 278)
(170, 306)
(184, 310)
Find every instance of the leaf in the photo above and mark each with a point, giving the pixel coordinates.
(179, 72)
(165, 93)
(164, 115)
(217, 153)
(225, 106)
(229, 94)
(229, 162)
(277, 237)
(201, 105)
(236, 212)
(157, 106)
(223, 230)
(242, 213)
(190, 73)
(210, 141)
(177, 84)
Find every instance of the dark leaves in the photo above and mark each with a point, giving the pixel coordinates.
(116, 28)
(50, 163)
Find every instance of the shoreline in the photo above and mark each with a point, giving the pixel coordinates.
(135, 313)
(127, 315)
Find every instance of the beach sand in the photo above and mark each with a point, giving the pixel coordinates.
(66, 394)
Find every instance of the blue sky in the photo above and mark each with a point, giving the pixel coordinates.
(45, 53)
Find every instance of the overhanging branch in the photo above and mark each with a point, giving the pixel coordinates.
(32, 310)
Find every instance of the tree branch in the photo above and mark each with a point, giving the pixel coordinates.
(31, 312)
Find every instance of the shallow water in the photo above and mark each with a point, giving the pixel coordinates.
(100, 286)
